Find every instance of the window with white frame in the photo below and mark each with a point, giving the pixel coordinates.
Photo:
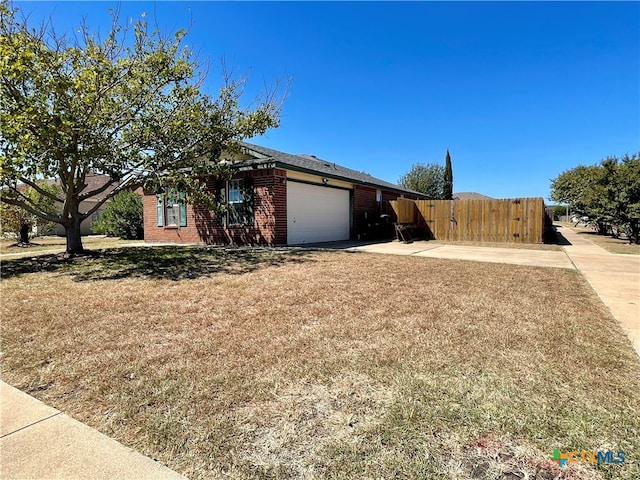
(171, 209)
(237, 196)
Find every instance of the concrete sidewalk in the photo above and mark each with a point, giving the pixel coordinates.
(615, 278)
(40, 442)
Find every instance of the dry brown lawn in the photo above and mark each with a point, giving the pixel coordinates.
(267, 364)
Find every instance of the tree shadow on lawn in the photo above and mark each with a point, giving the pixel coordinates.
(168, 262)
(622, 238)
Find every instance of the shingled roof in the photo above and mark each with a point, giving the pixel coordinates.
(318, 166)
(471, 196)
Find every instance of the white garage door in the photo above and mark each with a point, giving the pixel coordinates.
(316, 213)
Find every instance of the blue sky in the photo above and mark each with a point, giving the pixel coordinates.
(517, 91)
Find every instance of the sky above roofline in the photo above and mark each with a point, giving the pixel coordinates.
(517, 91)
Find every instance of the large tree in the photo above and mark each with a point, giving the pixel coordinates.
(427, 178)
(607, 193)
(628, 186)
(448, 178)
(129, 106)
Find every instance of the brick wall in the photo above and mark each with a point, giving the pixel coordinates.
(270, 211)
(279, 202)
(365, 211)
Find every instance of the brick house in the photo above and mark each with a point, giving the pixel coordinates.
(275, 198)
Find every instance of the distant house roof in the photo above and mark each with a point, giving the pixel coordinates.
(93, 181)
(318, 166)
(470, 196)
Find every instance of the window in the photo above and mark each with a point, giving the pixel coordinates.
(236, 203)
(235, 191)
(171, 209)
(237, 197)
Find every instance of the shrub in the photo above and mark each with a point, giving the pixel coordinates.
(122, 217)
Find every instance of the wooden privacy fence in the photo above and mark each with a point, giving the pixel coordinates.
(511, 220)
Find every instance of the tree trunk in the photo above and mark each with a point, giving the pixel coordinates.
(635, 233)
(24, 233)
(74, 238)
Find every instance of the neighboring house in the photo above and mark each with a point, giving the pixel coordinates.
(93, 182)
(470, 196)
(274, 198)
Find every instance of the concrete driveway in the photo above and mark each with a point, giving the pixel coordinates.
(516, 256)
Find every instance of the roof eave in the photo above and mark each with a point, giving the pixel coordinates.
(295, 168)
(264, 158)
